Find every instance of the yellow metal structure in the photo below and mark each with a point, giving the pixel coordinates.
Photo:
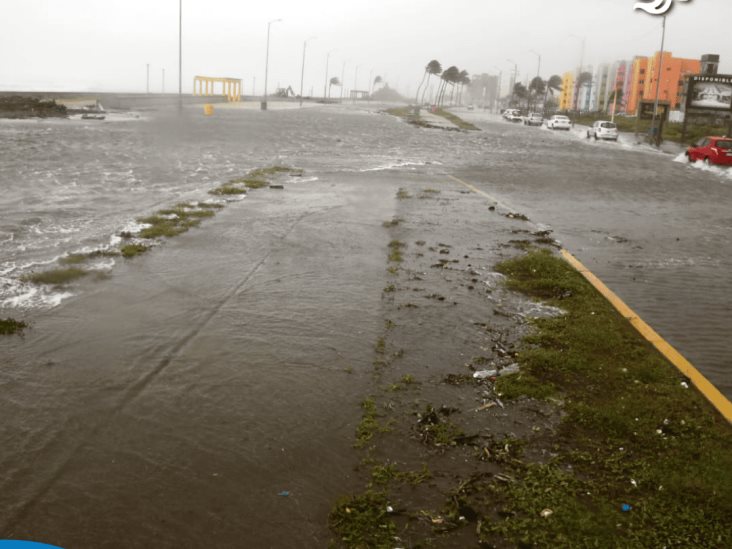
(206, 86)
(208, 109)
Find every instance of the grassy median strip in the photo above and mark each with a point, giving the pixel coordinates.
(641, 458)
(55, 277)
(459, 122)
(10, 326)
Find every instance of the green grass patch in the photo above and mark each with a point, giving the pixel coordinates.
(57, 277)
(395, 251)
(459, 122)
(393, 223)
(369, 424)
(255, 183)
(363, 521)
(132, 250)
(10, 326)
(227, 189)
(630, 433)
(76, 259)
(402, 194)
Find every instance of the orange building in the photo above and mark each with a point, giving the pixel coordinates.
(673, 72)
(637, 84)
(644, 82)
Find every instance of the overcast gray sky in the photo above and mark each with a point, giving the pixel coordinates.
(104, 45)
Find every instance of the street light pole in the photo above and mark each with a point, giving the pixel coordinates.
(325, 86)
(355, 83)
(538, 68)
(180, 55)
(343, 79)
(515, 73)
(302, 73)
(654, 132)
(266, 65)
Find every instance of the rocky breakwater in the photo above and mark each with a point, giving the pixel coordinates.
(29, 107)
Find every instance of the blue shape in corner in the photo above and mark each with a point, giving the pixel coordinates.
(16, 544)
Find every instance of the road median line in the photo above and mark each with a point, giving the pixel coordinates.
(705, 387)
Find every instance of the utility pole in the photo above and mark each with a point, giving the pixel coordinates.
(302, 73)
(180, 55)
(538, 68)
(513, 82)
(343, 80)
(266, 65)
(655, 133)
(325, 86)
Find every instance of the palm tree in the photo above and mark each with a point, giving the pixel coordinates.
(463, 80)
(433, 67)
(554, 84)
(537, 88)
(449, 76)
(519, 92)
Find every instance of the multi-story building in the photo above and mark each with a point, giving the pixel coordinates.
(673, 72)
(566, 97)
(636, 85)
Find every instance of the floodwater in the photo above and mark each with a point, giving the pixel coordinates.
(206, 393)
(655, 229)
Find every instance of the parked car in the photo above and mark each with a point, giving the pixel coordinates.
(603, 129)
(712, 150)
(534, 119)
(512, 115)
(559, 122)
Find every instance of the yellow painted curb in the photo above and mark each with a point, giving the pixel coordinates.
(710, 392)
(705, 387)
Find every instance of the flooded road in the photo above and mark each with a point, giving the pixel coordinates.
(209, 390)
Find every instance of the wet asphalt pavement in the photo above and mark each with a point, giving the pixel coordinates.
(207, 392)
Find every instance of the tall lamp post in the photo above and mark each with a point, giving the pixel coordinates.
(655, 134)
(180, 55)
(538, 68)
(513, 80)
(266, 65)
(498, 88)
(343, 79)
(355, 84)
(325, 86)
(302, 73)
(581, 66)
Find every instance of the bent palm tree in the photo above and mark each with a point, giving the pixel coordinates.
(428, 70)
(435, 68)
(554, 84)
(537, 88)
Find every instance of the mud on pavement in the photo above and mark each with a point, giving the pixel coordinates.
(433, 427)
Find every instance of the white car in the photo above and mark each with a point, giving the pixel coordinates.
(603, 129)
(512, 115)
(533, 119)
(559, 122)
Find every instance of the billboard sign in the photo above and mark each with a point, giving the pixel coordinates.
(713, 92)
